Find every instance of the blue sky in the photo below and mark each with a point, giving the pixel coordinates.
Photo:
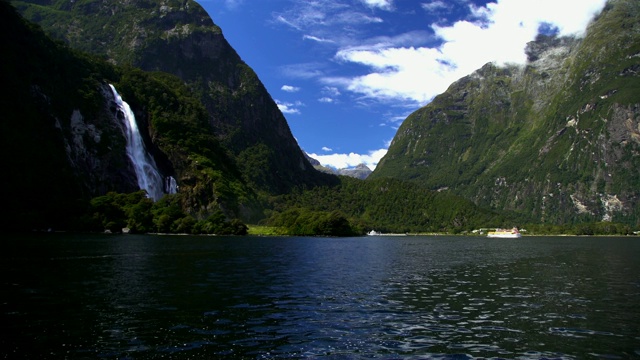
(346, 73)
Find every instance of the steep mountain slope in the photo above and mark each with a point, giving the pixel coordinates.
(49, 129)
(63, 141)
(557, 140)
(179, 37)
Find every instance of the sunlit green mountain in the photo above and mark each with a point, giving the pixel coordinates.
(557, 140)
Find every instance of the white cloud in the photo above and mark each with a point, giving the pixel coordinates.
(303, 71)
(284, 20)
(381, 4)
(435, 5)
(398, 118)
(330, 94)
(315, 15)
(413, 74)
(289, 108)
(341, 161)
(407, 39)
(289, 88)
(324, 148)
(317, 39)
(355, 18)
(331, 91)
(233, 4)
(570, 16)
(499, 34)
(394, 121)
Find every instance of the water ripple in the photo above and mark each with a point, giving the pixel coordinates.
(413, 298)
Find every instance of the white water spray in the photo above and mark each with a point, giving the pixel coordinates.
(149, 178)
(170, 186)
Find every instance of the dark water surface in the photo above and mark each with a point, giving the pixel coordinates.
(141, 297)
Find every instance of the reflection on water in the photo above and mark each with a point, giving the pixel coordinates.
(416, 297)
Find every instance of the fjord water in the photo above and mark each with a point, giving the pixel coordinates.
(142, 296)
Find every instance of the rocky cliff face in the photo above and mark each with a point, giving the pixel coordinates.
(361, 171)
(180, 38)
(60, 136)
(95, 148)
(555, 140)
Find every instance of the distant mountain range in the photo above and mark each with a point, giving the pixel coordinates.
(557, 140)
(360, 171)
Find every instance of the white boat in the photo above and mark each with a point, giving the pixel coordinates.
(377, 233)
(504, 233)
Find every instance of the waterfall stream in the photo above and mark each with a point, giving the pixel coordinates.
(149, 178)
(171, 186)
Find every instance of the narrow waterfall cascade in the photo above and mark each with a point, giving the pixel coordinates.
(170, 186)
(149, 178)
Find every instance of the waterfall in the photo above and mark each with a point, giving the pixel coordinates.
(149, 178)
(171, 186)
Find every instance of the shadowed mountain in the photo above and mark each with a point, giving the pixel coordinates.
(63, 135)
(179, 37)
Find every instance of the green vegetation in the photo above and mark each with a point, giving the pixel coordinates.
(178, 123)
(137, 213)
(77, 22)
(214, 188)
(178, 37)
(295, 221)
(540, 141)
(387, 205)
(63, 145)
(261, 230)
(583, 229)
(530, 145)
